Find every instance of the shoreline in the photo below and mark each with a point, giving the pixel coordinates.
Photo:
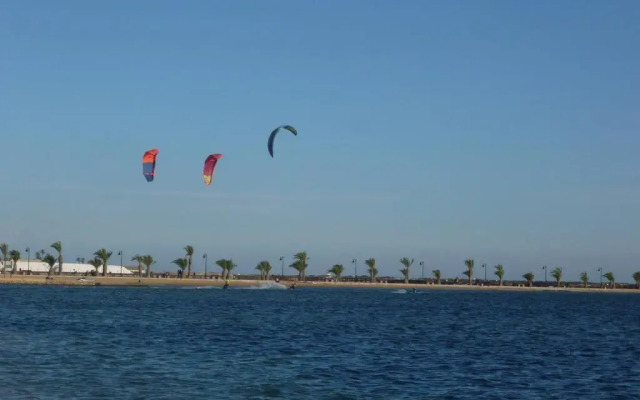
(149, 282)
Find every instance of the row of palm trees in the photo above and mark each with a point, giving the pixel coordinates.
(556, 273)
(101, 258)
(14, 257)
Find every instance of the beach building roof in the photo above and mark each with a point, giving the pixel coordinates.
(39, 266)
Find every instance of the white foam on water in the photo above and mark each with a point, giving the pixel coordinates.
(199, 287)
(269, 285)
(400, 291)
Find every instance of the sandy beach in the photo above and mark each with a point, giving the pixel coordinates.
(147, 282)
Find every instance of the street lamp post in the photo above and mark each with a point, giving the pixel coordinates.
(206, 258)
(422, 265)
(485, 271)
(544, 267)
(282, 259)
(355, 271)
(28, 250)
(120, 254)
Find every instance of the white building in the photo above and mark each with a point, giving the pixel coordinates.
(38, 266)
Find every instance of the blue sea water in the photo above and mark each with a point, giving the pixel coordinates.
(316, 343)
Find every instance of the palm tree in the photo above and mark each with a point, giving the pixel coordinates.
(4, 248)
(557, 274)
(51, 260)
(148, 261)
(40, 255)
(227, 266)
(585, 279)
(437, 274)
(230, 266)
(264, 267)
(337, 270)
(469, 271)
(407, 265)
(611, 279)
(267, 270)
(222, 263)
(373, 271)
(260, 267)
(103, 255)
(300, 264)
(636, 277)
(182, 264)
(14, 256)
(529, 277)
(138, 258)
(499, 272)
(189, 250)
(95, 263)
(57, 246)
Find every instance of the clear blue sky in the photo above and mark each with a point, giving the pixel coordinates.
(504, 131)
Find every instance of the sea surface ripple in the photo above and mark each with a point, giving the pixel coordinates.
(316, 343)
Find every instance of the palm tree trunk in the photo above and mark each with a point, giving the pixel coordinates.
(104, 269)
(500, 281)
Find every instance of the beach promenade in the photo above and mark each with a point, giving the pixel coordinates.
(65, 280)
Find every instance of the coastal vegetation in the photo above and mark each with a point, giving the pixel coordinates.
(138, 259)
(182, 264)
(300, 264)
(337, 271)
(96, 263)
(437, 274)
(373, 271)
(9, 262)
(499, 272)
(611, 279)
(469, 272)
(529, 278)
(557, 275)
(103, 255)
(227, 266)
(4, 248)
(57, 246)
(265, 269)
(14, 256)
(189, 258)
(407, 265)
(148, 261)
(584, 278)
(51, 261)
